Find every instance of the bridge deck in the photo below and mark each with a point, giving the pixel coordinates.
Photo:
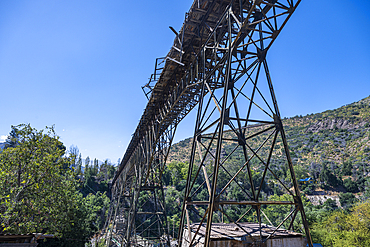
(187, 44)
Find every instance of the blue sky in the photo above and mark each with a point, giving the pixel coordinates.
(80, 65)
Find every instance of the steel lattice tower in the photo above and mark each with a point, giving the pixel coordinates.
(219, 63)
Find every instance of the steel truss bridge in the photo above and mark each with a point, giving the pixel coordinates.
(218, 63)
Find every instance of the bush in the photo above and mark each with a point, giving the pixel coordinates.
(181, 185)
(330, 205)
(347, 199)
(344, 229)
(328, 177)
(309, 189)
(350, 185)
(347, 168)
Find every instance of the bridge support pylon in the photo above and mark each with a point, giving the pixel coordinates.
(240, 171)
(238, 106)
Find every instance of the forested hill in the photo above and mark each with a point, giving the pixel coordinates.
(332, 147)
(334, 137)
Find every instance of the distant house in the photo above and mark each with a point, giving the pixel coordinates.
(308, 180)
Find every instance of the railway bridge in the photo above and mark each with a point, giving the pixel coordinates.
(218, 65)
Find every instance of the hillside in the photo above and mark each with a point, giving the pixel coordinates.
(337, 141)
(333, 136)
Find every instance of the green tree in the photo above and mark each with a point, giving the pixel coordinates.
(34, 187)
(347, 168)
(39, 191)
(97, 206)
(95, 168)
(106, 170)
(276, 213)
(175, 172)
(366, 194)
(12, 139)
(330, 205)
(73, 153)
(347, 199)
(344, 229)
(87, 162)
(79, 165)
(350, 185)
(328, 177)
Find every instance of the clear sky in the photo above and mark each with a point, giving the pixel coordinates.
(80, 65)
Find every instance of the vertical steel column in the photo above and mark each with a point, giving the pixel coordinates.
(216, 166)
(193, 149)
(234, 63)
(116, 206)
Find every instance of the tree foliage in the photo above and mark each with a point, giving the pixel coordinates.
(343, 228)
(33, 183)
(39, 189)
